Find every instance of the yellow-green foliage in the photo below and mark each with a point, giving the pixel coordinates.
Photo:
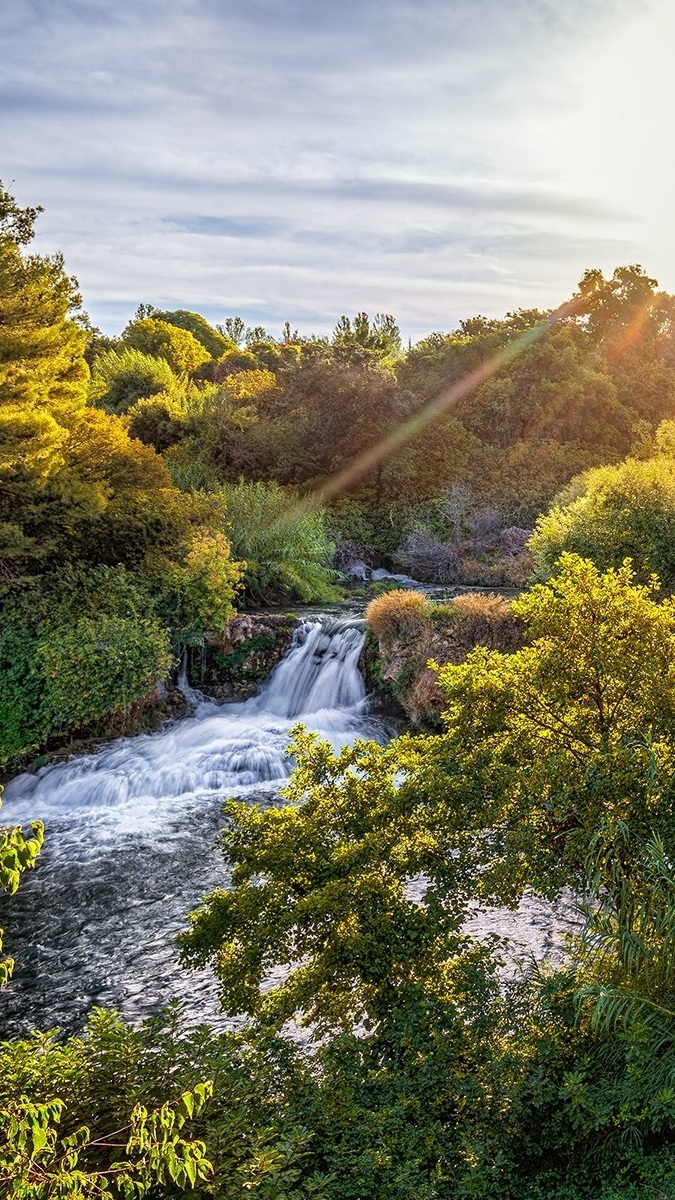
(198, 594)
(41, 347)
(400, 613)
(38, 1162)
(158, 421)
(251, 385)
(626, 511)
(99, 666)
(179, 347)
(120, 377)
(214, 342)
(17, 853)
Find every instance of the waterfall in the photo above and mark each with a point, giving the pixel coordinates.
(191, 695)
(320, 673)
(130, 832)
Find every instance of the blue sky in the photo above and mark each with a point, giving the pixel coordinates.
(294, 160)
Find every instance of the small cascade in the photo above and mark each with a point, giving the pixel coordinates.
(320, 672)
(130, 832)
(191, 695)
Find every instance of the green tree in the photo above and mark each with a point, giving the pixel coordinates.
(41, 343)
(121, 377)
(611, 306)
(213, 341)
(283, 543)
(18, 853)
(233, 328)
(382, 334)
(179, 347)
(623, 511)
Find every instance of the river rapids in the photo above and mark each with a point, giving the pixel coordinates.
(129, 842)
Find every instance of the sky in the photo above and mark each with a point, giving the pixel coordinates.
(299, 159)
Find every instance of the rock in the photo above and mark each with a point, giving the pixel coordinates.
(233, 664)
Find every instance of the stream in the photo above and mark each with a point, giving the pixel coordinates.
(130, 842)
(129, 837)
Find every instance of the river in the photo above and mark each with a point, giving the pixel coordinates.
(130, 830)
(130, 842)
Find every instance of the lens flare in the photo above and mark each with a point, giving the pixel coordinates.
(345, 479)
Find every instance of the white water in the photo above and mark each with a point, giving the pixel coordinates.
(130, 831)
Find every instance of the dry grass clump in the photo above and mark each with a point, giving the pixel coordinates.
(400, 613)
(486, 620)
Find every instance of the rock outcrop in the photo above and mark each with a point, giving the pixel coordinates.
(406, 631)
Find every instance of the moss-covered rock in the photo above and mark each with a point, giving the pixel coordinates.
(233, 665)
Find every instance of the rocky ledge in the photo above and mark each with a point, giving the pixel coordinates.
(232, 665)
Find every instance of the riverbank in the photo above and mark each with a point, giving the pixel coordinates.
(407, 631)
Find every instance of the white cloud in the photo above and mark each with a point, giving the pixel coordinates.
(285, 158)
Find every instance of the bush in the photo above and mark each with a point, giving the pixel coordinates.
(283, 543)
(120, 379)
(428, 559)
(627, 511)
(197, 595)
(158, 421)
(486, 620)
(400, 613)
(22, 723)
(99, 666)
(181, 349)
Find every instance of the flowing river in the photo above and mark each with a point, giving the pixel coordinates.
(130, 843)
(129, 847)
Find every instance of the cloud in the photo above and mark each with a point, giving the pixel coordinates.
(287, 157)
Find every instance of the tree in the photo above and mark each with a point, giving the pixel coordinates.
(17, 854)
(41, 344)
(233, 328)
(337, 408)
(382, 335)
(611, 306)
(181, 349)
(213, 341)
(16, 224)
(121, 377)
(625, 511)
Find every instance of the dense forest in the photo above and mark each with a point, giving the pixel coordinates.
(154, 482)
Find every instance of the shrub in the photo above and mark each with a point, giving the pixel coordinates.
(197, 595)
(181, 349)
(120, 379)
(486, 620)
(428, 559)
(158, 421)
(400, 613)
(283, 543)
(99, 666)
(627, 511)
(22, 723)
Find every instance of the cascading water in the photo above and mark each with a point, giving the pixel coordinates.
(130, 831)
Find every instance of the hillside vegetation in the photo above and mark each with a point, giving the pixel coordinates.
(151, 482)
